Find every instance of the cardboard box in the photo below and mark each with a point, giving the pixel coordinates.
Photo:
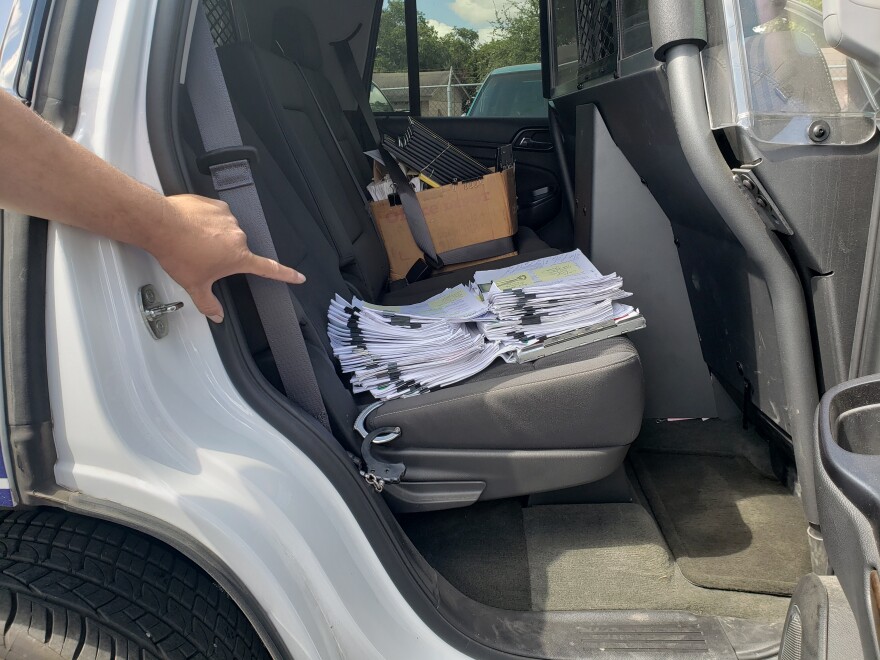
(458, 215)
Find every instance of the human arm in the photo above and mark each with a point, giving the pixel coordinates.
(195, 239)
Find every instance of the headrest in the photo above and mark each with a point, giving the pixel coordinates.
(295, 37)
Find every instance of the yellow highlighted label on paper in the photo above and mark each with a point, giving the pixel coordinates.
(515, 281)
(381, 308)
(558, 271)
(451, 297)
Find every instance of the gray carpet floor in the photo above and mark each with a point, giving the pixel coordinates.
(614, 556)
(711, 437)
(729, 525)
(480, 550)
(570, 557)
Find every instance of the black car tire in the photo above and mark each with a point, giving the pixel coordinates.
(73, 587)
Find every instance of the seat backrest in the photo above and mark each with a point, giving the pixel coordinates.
(272, 94)
(295, 38)
(300, 244)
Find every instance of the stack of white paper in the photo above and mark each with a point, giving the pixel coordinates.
(549, 297)
(401, 351)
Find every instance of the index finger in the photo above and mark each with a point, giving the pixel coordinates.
(273, 270)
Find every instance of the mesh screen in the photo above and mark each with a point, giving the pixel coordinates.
(219, 13)
(596, 37)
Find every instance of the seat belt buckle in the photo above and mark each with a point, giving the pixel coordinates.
(436, 264)
(226, 155)
(420, 270)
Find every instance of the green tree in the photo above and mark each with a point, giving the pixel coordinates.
(435, 52)
(516, 40)
(391, 42)
(460, 47)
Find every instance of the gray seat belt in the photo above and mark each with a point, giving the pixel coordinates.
(411, 206)
(412, 209)
(227, 161)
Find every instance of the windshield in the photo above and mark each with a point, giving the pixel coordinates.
(517, 94)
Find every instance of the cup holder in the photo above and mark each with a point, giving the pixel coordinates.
(849, 442)
(854, 417)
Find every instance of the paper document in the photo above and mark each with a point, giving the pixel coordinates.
(381, 190)
(547, 297)
(409, 349)
(513, 313)
(557, 269)
(456, 304)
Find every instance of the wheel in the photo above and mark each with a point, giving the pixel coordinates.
(72, 587)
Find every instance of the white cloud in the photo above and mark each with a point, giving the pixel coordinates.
(480, 13)
(475, 11)
(442, 28)
(486, 34)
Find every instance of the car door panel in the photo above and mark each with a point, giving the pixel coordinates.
(533, 139)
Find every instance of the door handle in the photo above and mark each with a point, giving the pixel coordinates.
(533, 140)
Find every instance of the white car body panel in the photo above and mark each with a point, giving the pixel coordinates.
(157, 426)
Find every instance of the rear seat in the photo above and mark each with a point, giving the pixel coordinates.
(271, 91)
(510, 430)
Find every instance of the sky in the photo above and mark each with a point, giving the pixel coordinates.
(475, 14)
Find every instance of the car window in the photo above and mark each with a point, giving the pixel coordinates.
(460, 48)
(390, 63)
(584, 35)
(510, 95)
(771, 72)
(13, 26)
(378, 101)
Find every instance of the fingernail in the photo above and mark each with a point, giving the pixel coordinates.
(302, 278)
(217, 318)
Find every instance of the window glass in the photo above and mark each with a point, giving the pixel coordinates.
(565, 43)
(518, 93)
(390, 71)
(465, 46)
(584, 39)
(378, 101)
(635, 31)
(769, 70)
